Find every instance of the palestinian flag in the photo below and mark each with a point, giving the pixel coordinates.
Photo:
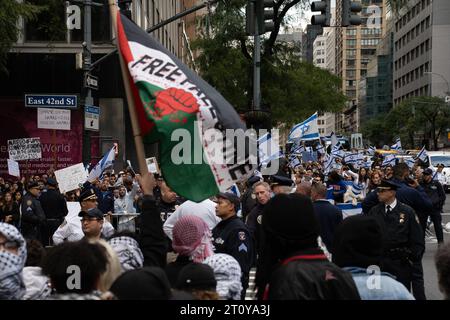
(186, 115)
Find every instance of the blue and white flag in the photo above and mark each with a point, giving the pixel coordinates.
(389, 160)
(371, 150)
(422, 155)
(328, 165)
(294, 162)
(102, 165)
(297, 148)
(307, 130)
(367, 164)
(268, 149)
(351, 158)
(320, 149)
(349, 209)
(410, 162)
(397, 145)
(338, 154)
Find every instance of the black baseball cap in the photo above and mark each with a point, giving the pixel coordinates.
(92, 213)
(428, 171)
(234, 199)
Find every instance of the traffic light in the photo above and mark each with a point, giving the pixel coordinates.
(263, 16)
(250, 23)
(348, 16)
(324, 18)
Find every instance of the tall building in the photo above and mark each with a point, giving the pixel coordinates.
(422, 50)
(354, 47)
(312, 31)
(325, 121)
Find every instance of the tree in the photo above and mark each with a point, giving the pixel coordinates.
(428, 117)
(290, 89)
(10, 12)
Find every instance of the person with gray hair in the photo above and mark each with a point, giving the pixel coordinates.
(304, 188)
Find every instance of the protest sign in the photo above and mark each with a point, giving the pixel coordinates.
(13, 168)
(24, 149)
(71, 178)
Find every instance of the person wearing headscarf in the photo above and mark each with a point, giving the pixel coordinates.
(192, 242)
(13, 254)
(128, 252)
(228, 275)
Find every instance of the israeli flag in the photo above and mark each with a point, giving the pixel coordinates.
(389, 160)
(294, 162)
(367, 164)
(410, 162)
(102, 165)
(268, 149)
(422, 155)
(307, 130)
(371, 150)
(397, 145)
(338, 154)
(328, 165)
(351, 158)
(320, 149)
(349, 210)
(297, 149)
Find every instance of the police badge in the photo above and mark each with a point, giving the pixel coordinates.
(241, 235)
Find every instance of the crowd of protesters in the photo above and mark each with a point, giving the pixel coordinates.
(135, 238)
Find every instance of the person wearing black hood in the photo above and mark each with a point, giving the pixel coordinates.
(358, 249)
(293, 267)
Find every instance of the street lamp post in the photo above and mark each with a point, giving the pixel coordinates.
(442, 77)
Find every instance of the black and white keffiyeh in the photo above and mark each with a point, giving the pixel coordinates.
(228, 275)
(12, 286)
(128, 252)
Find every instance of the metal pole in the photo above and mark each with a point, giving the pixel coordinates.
(256, 70)
(88, 100)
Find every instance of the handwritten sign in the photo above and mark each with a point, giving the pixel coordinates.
(71, 178)
(152, 165)
(53, 119)
(24, 149)
(13, 168)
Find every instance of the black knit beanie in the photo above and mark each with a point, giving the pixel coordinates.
(358, 242)
(291, 217)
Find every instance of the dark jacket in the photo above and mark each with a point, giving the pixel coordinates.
(415, 198)
(33, 217)
(13, 211)
(436, 192)
(308, 275)
(231, 236)
(329, 216)
(152, 238)
(54, 204)
(173, 269)
(106, 202)
(254, 220)
(403, 242)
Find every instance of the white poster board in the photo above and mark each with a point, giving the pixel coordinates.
(152, 165)
(24, 149)
(53, 119)
(13, 168)
(71, 178)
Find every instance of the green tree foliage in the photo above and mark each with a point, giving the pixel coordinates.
(10, 12)
(414, 120)
(291, 88)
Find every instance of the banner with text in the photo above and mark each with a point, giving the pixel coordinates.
(24, 149)
(71, 178)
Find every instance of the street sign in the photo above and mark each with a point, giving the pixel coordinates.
(91, 118)
(447, 99)
(51, 101)
(91, 82)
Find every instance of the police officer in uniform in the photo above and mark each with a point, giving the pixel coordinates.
(71, 230)
(32, 215)
(403, 238)
(231, 235)
(55, 209)
(281, 184)
(436, 192)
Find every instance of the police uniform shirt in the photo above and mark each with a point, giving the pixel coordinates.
(71, 230)
(231, 236)
(390, 207)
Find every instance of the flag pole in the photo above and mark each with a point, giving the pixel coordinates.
(130, 100)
